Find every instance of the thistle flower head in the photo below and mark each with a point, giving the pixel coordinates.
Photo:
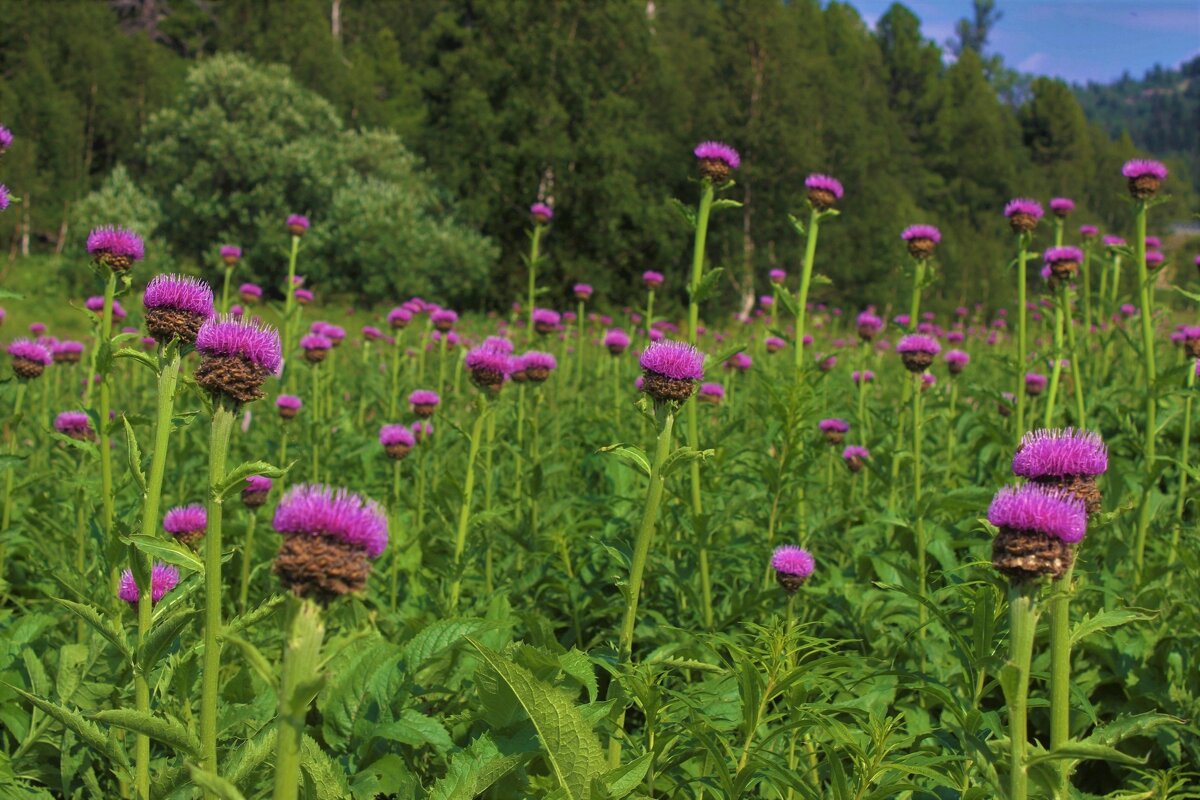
(250, 291)
(315, 341)
(859, 377)
(616, 340)
(777, 276)
(297, 224)
(498, 343)
(921, 240)
(1023, 214)
(5, 197)
(674, 360)
(711, 393)
(1057, 255)
(233, 338)
(774, 344)
(918, 343)
(489, 367)
(256, 490)
(318, 510)
(792, 566)
(1088, 231)
(652, 279)
(541, 213)
(823, 191)
(869, 326)
(176, 306)
(1035, 383)
(1113, 241)
(1032, 507)
(303, 296)
(537, 366)
(182, 519)
(423, 402)
(1153, 242)
(75, 424)
(1140, 167)
(545, 320)
(856, 451)
(1060, 453)
(396, 436)
(6, 139)
(399, 317)
(422, 429)
(1061, 206)
(443, 319)
(956, 361)
(833, 425)
(29, 359)
(163, 578)
(717, 161)
(1154, 259)
(115, 247)
(582, 291)
(739, 361)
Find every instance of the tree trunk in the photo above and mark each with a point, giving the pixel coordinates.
(25, 227)
(335, 20)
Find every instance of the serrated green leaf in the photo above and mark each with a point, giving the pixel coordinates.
(683, 455)
(84, 728)
(686, 212)
(630, 454)
(168, 551)
(437, 637)
(1102, 620)
(1084, 751)
(415, 730)
(169, 731)
(254, 657)
(162, 635)
(139, 356)
(214, 784)
(249, 755)
(625, 778)
(570, 745)
(105, 627)
(324, 776)
(1124, 727)
(237, 477)
(134, 454)
(475, 769)
(725, 202)
(708, 284)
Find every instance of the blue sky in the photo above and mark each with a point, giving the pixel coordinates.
(1077, 40)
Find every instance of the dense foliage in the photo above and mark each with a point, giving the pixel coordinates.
(589, 105)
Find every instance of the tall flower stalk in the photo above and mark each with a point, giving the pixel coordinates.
(1023, 215)
(236, 359)
(917, 352)
(541, 214)
(671, 371)
(1144, 179)
(483, 410)
(301, 670)
(29, 361)
(297, 225)
(1184, 453)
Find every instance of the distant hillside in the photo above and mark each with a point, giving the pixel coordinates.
(1160, 112)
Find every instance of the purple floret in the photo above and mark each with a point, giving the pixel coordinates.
(315, 341)
(297, 221)
(69, 422)
(1033, 507)
(582, 290)
(252, 289)
(652, 278)
(1088, 230)
(715, 390)
(856, 451)
(4, 197)
(180, 293)
(1060, 453)
(833, 425)
(957, 358)
(792, 560)
(1062, 205)
(231, 251)
(30, 351)
(257, 484)
(1023, 205)
(392, 435)
(918, 343)
(317, 510)
(537, 360)
(546, 316)
(616, 337)
(717, 151)
(163, 578)
(675, 360)
(399, 316)
(288, 401)
(777, 276)
(1154, 258)
(109, 240)
(1056, 255)
(424, 397)
(1141, 167)
(6, 138)
(921, 232)
(443, 316)
(824, 183)
(542, 212)
(499, 344)
(185, 519)
(224, 336)
(489, 360)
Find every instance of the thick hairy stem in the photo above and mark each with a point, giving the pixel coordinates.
(1150, 374)
(464, 515)
(1023, 624)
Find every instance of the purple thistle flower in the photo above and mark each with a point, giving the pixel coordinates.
(498, 343)
(234, 338)
(443, 319)
(1056, 255)
(1153, 242)
(250, 290)
(6, 139)
(75, 424)
(179, 293)
(423, 402)
(303, 296)
(315, 341)
(869, 326)
(371, 333)
(26, 350)
(1023, 205)
(711, 393)
(1061, 206)
(297, 224)
(1060, 453)
(396, 435)
(777, 276)
(230, 254)
(534, 360)
(918, 343)
(399, 317)
(823, 191)
(717, 161)
(1140, 167)
(4, 197)
(774, 344)
(541, 213)
(258, 483)
(739, 361)
(616, 340)
(1088, 231)
(1039, 509)
(317, 510)
(163, 578)
(921, 240)
(956, 361)
(288, 405)
(652, 279)
(856, 451)
(545, 320)
(116, 248)
(183, 519)
(955, 337)
(1113, 241)
(422, 429)
(859, 377)
(903, 320)
(489, 367)
(334, 333)
(1154, 259)
(792, 566)
(670, 370)
(833, 425)
(582, 291)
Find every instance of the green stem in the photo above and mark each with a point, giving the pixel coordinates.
(637, 568)
(1023, 624)
(918, 515)
(301, 668)
(579, 348)
(483, 410)
(397, 349)
(222, 425)
(1150, 374)
(1186, 437)
(314, 422)
(699, 524)
(1087, 289)
(168, 379)
(1075, 355)
(952, 426)
(1056, 370)
(225, 291)
(1022, 335)
(1060, 678)
(103, 425)
(488, 458)
(810, 254)
(8, 475)
(289, 303)
(247, 562)
(535, 240)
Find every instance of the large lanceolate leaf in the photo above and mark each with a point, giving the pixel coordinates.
(168, 731)
(474, 769)
(361, 679)
(437, 637)
(84, 728)
(570, 745)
